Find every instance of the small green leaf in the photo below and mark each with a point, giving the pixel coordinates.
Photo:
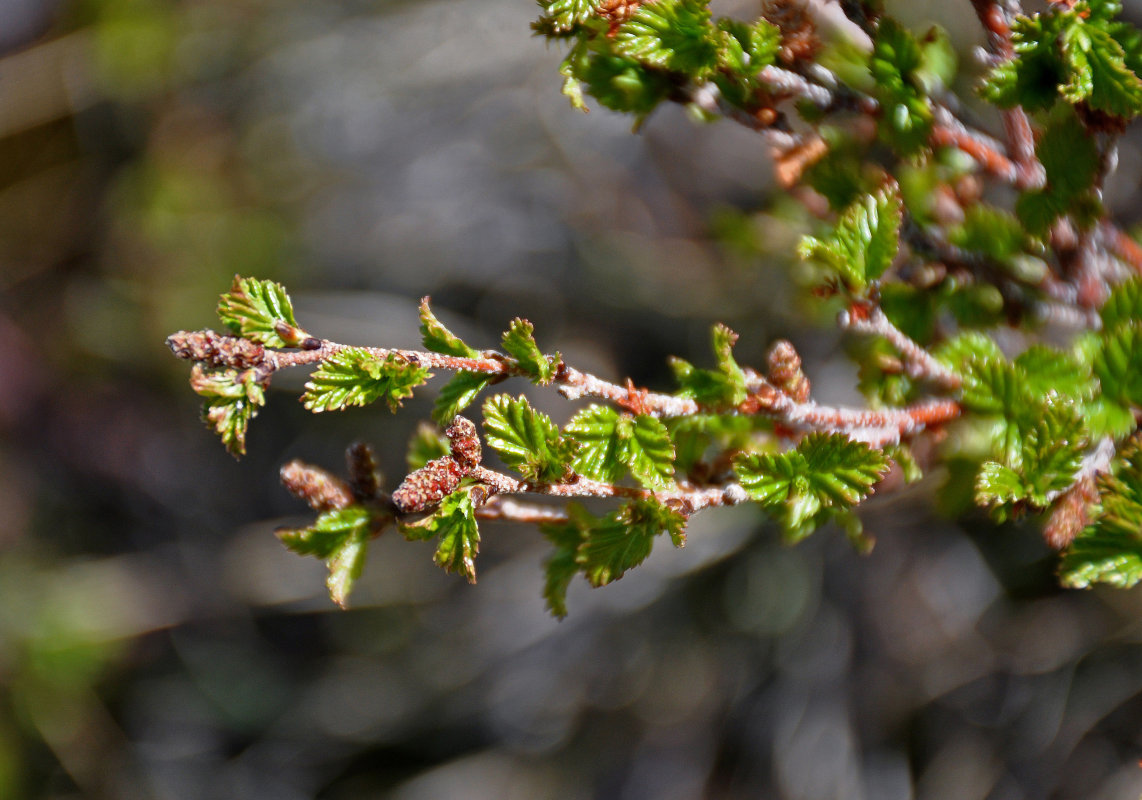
(611, 444)
(438, 338)
(990, 231)
(339, 537)
(997, 485)
(231, 398)
(865, 241)
(519, 342)
(527, 440)
(620, 84)
(1070, 158)
(801, 487)
(624, 538)
(1032, 79)
(563, 16)
(261, 311)
(1049, 370)
(721, 388)
(454, 522)
(356, 377)
(427, 444)
(1123, 305)
(458, 394)
(1110, 549)
(959, 350)
(1098, 72)
(674, 35)
(1118, 364)
(896, 65)
(747, 49)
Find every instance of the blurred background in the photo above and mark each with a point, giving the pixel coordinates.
(157, 642)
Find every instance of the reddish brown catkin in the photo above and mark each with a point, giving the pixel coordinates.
(438, 478)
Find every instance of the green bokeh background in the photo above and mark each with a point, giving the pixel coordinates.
(157, 642)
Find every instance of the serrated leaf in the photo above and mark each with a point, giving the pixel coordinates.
(1033, 77)
(674, 35)
(1070, 158)
(895, 63)
(611, 444)
(458, 394)
(527, 440)
(747, 49)
(562, 565)
(1123, 305)
(826, 471)
(990, 231)
(1118, 364)
(340, 537)
(959, 350)
(997, 484)
(356, 377)
(519, 342)
(1098, 73)
(426, 444)
(724, 387)
(261, 311)
(620, 84)
(231, 398)
(624, 538)
(1049, 370)
(564, 15)
(1110, 549)
(454, 523)
(865, 241)
(438, 338)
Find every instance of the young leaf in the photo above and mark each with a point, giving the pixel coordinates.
(623, 539)
(1049, 370)
(1123, 305)
(896, 65)
(1118, 364)
(747, 49)
(356, 377)
(231, 399)
(724, 387)
(527, 440)
(427, 444)
(800, 487)
(674, 35)
(339, 537)
(1070, 157)
(562, 16)
(620, 84)
(454, 522)
(261, 310)
(610, 444)
(865, 241)
(458, 394)
(1098, 72)
(1110, 549)
(519, 342)
(438, 338)
(562, 565)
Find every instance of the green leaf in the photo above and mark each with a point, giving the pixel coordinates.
(721, 388)
(438, 338)
(261, 311)
(1118, 364)
(563, 16)
(356, 377)
(745, 49)
(610, 444)
(458, 394)
(674, 35)
(519, 342)
(1123, 305)
(527, 440)
(895, 64)
(1098, 72)
(826, 471)
(231, 399)
(623, 539)
(339, 537)
(1033, 77)
(562, 565)
(990, 231)
(427, 444)
(1070, 158)
(1049, 370)
(454, 523)
(620, 84)
(959, 350)
(865, 241)
(1110, 549)
(998, 486)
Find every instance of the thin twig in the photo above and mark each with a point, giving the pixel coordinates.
(918, 362)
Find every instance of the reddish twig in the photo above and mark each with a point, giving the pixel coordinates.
(918, 362)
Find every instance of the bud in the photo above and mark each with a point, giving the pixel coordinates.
(465, 443)
(216, 349)
(430, 484)
(785, 371)
(322, 490)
